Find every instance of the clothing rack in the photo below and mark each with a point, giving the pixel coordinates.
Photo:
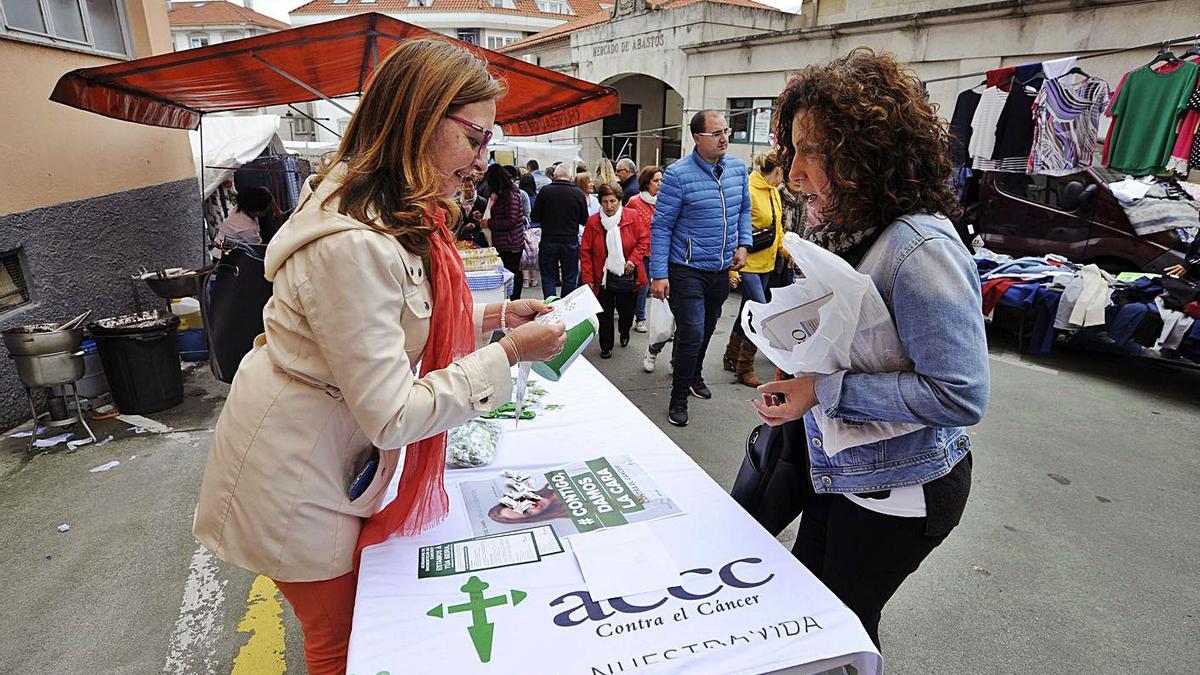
(263, 169)
(1110, 52)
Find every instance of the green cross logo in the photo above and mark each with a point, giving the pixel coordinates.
(480, 629)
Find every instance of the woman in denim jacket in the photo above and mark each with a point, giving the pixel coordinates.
(861, 140)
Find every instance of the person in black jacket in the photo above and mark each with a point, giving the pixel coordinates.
(506, 220)
(627, 174)
(472, 206)
(529, 182)
(561, 209)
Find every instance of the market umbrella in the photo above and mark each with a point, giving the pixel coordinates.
(324, 60)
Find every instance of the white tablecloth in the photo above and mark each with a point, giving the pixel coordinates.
(746, 605)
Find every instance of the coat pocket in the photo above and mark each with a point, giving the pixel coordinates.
(367, 503)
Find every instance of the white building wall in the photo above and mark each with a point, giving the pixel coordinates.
(841, 11)
(675, 45)
(649, 43)
(450, 21)
(181, 37)
(326, 113)
(969, 44)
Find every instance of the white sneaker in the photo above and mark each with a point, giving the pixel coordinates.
(640, 326)
(648, 362)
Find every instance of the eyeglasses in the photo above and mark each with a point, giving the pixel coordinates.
(483, 142)
(714, 134)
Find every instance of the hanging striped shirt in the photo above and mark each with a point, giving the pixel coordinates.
(1066, 119)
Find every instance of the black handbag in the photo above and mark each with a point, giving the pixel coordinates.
(764, 238)
(769, 483)
(233, 311)
(623, 283)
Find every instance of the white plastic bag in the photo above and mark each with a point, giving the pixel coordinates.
(832, 318)
(660, 322)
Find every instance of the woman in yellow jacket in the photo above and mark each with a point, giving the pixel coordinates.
(766, 214)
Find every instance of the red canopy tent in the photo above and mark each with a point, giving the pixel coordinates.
(324, 60)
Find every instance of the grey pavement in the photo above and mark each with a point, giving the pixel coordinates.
(106, 596)
(1077, 552)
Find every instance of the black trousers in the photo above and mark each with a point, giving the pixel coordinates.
(512, 262)
(624, 302)
(861, 555)
(696, 300)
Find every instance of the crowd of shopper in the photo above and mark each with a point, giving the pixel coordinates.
(721, 228)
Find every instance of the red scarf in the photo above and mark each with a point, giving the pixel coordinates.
(421, 500)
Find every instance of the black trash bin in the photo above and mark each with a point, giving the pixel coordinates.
(141, 360)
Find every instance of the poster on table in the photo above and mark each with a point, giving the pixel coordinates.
(579, 497)
(473, 595)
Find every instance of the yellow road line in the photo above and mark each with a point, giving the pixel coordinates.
(263, 652)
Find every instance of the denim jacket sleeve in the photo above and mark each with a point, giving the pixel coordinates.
(935, 302)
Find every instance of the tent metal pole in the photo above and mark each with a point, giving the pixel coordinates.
(203, 222)
(368, 55)
(314, 120)
(298, 83)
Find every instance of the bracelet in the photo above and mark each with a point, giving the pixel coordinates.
(515, 349)
(504, 316)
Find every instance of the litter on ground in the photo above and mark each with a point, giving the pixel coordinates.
(52, 441)
(143, 424)
(27, 434)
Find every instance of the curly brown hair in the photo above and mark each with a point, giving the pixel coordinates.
(884, 149)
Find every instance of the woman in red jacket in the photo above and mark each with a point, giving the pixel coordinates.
(615, 241)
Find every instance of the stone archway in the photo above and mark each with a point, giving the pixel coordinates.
(648, 105)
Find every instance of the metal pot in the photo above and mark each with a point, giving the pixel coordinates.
(25, 341)
(175, 287)
(182, 286)
(48, 370)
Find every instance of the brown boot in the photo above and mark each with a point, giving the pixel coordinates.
(745, 365)
(729, 361)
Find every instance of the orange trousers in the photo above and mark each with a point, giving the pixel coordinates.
(325, 609)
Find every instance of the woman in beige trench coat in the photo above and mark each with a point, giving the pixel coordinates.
(333, 379)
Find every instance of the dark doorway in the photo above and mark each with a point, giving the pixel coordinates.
(626, 122)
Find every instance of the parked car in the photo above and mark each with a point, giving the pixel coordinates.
(1075, 216)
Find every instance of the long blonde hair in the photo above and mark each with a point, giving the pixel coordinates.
(390, 179)
(605, 173)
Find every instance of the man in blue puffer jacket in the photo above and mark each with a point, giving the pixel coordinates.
(701, 230)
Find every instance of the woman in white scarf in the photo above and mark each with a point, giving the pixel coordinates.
(615, 242)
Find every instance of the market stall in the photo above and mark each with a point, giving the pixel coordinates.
(1054, 299)
(178, 90)
(740, 602)
(231, 142)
